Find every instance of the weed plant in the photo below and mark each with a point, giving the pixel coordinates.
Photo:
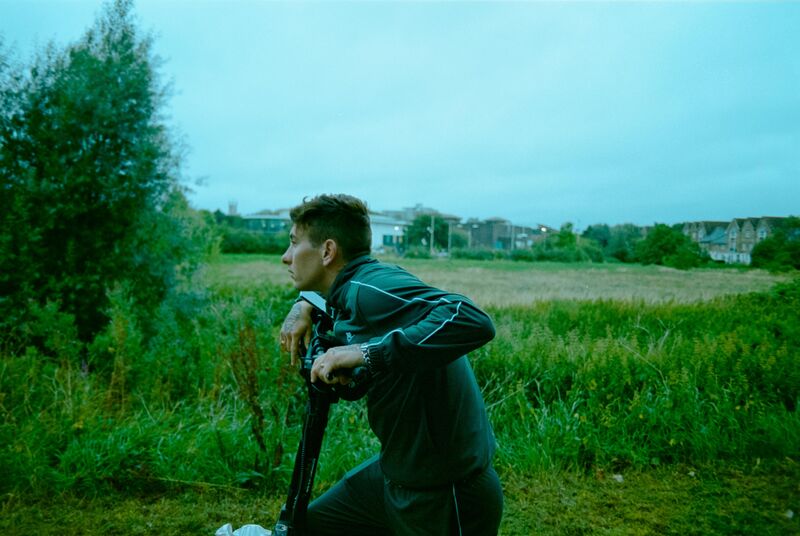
(209, 402)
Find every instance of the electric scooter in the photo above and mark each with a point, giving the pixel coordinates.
(292, 519)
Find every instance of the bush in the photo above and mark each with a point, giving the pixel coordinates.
(669, 247)
(238, 240)
(90, 195)
(779, 252)
(417, 253)
(476, 254)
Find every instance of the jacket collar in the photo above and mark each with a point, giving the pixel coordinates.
(346, 273)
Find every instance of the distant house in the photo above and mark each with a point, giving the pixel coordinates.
(500, 233)
(715, 244)
(387, 233)
(409, 214)
(741, 240)
(767, 226)
(700, 230)
(731, 242)
(268, 221)
(389, 228)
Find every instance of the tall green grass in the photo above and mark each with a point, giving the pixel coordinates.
(576, 385)
(208, 400)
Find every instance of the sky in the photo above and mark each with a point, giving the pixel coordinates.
(537, 112)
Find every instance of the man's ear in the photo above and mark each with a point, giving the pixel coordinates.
(330, 252)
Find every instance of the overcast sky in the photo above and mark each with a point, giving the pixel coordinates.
(539, 112)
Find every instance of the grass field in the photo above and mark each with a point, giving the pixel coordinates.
(677, 500)
(503, 282)
(627, 400)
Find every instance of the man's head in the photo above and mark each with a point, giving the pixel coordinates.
(327, 232)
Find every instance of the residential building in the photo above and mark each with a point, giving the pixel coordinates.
(499, 233)
(388, 233)
(389, 227)
(699, 230)
(268, 221)
(731, 242)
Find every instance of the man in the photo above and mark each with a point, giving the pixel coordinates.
(434, 473)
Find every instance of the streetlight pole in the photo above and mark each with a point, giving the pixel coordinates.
(432, 234)
(472, 227)
(449, 236)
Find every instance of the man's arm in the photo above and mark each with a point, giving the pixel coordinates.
(296, 328)
(427, 328)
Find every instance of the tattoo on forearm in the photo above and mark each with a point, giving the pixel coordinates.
(292, 317)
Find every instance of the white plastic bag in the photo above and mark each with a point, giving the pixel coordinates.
(244, 530)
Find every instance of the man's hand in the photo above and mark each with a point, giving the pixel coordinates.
(338, 358)
(296, 328)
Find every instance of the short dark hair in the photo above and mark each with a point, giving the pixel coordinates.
(341, 217)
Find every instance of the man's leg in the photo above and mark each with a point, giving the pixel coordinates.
(353, 506)
(470, 509)
(420, 512)
(479, 505)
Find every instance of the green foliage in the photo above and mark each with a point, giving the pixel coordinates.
(755, 498)
(600, 233)
(235, 237)
(623, 240)
(477, 254)
(669, 247)
(209, 400)
(617, 242)
(565, 238)
(615, 385)
(142, 412)
(417, 252)
(418, 234)
(90, 197)
(566, 246)
(238, 240)
(780, 251)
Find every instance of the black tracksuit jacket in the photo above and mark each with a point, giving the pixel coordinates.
(423, 403)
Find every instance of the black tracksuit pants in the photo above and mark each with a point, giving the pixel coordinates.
(365, 503)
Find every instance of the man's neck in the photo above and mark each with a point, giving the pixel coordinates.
(331, 273)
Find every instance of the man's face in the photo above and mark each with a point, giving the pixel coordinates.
(304, 261)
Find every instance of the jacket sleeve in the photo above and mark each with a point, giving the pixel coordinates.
(421, 328)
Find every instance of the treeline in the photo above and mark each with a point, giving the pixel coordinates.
(781, 250)
(670, 247)
(234, 236)
(659, 244)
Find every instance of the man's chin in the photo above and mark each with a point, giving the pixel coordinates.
(299, 286)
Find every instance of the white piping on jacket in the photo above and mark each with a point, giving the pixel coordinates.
(445, 300)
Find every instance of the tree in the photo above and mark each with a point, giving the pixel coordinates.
(669, 247)
(564, 246)
(90, 191)
(622, 242)
(781, 250)
(600, 233)
(419, 232)
(566, 238)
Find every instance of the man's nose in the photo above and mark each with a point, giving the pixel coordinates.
(286, 259)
